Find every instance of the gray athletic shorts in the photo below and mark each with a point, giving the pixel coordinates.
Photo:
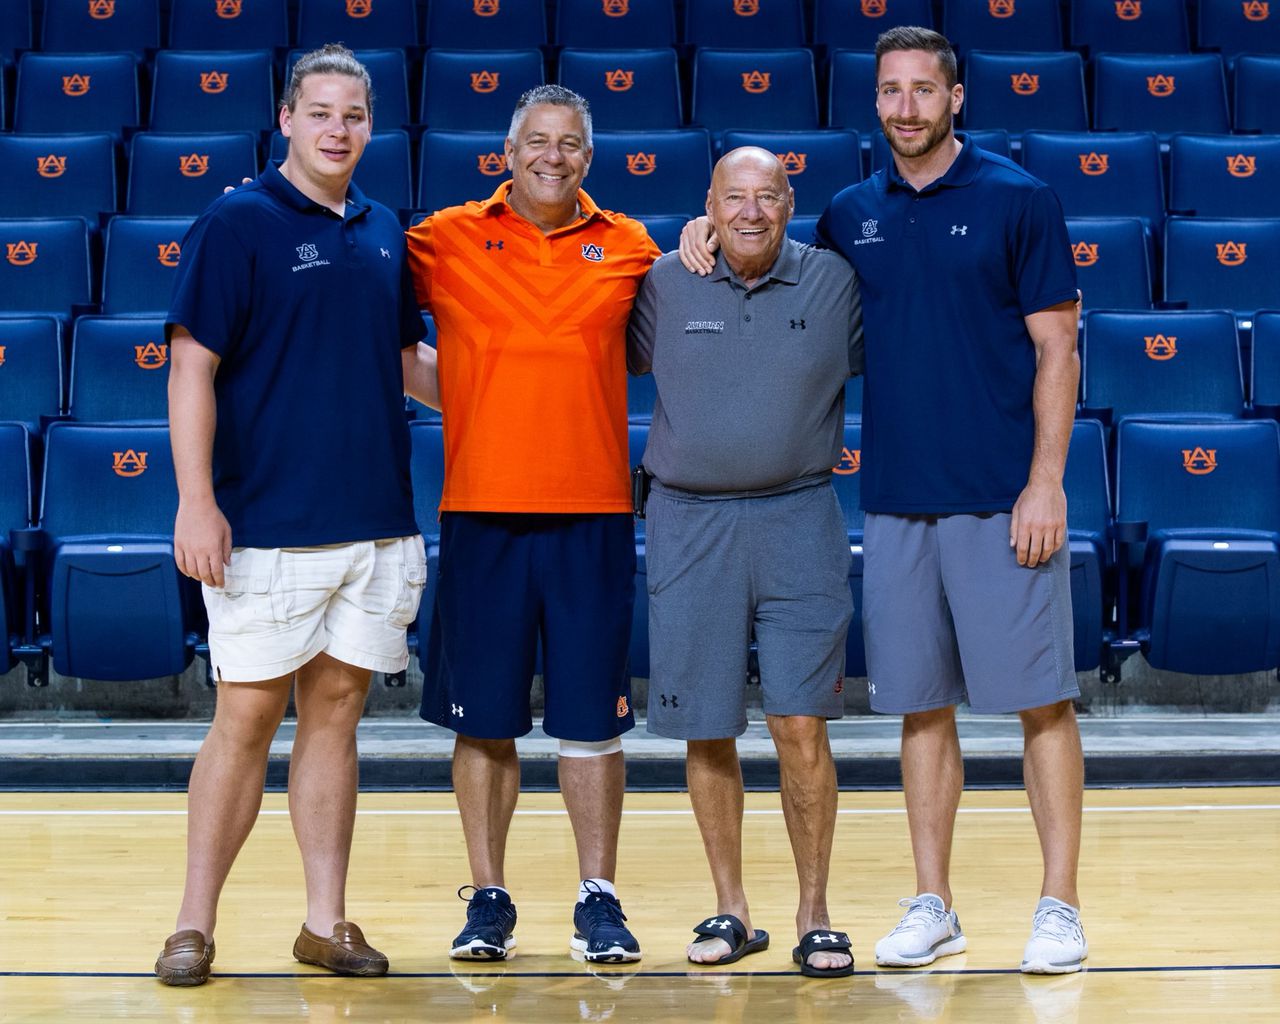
(719, 567)
(949, 615)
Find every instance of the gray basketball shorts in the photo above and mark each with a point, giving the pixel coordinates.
(949, 615)
(719, 568)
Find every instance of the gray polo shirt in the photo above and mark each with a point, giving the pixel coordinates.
(750, 380)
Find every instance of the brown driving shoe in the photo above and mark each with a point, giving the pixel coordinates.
(186, 959)
(344, 952)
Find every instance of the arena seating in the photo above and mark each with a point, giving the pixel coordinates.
(1113, 261)
(389, 72)
(119, 370)
(361, 24)
(179, 175)
(226, 91)
(475, 90)
(57, 175)
(634, 90)
(615, 25)
(31, 377)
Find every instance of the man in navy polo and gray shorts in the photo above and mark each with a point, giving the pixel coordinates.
(744, 533)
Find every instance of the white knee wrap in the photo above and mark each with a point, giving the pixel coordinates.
(576, 748)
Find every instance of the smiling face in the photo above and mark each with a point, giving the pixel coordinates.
(749, 205)
(548, 157)
(328, 129)
(913, 102)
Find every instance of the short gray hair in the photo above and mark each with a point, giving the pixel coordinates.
(330, 59)
(556, 96)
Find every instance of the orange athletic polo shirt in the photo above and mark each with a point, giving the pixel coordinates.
(531, 337)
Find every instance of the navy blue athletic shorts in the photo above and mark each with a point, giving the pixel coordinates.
(508, 580)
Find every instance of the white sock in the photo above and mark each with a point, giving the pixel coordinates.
(500, 889)
(605, 886)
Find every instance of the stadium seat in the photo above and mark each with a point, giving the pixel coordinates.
(851, 95)
(229, 25)
(1197, 517)
(631, 90)
(179, 175)
(641, 393)
(1025, 91)
(1112, 174)
(30, 370)
(1113, 261)
(1257, 82)
(641, 173)
(1002, 25)
(119, 370)
(1224, 175)
(476, 90)
(1264, 373)
(142, 254)
(100, 26)
(848, 485)
(359, 24)
(615, 24)
(15, 29)
(226, 91)
(664, 229)
(993, 140)
(76, 92)
(426, 470)
(802, 228)
(116, 605)
(57, 175)
(1129, 26)
(761, 90)
(384, 174)
(818, 164)
(46, 266)
(1221, 264)
(856, 24)
(389, 73)
(744, 24)
(487, 24)
(1088, 539)
(853, 398)
(15, 514)
(1233, 27)
(456, 167)
(1160, 93)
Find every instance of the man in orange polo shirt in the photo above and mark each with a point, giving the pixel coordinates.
(531, 291)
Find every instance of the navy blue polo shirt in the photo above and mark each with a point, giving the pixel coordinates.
(947, 275)
(308, 312)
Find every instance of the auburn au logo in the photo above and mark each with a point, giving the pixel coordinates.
(623, 707)
(619, 81)
(793, 162)
(168, 253)
(492, 164)
(593, 252)
(1199, 461)
(850, 462)
(1231, 254)
(129, 462)
(51, 166)
(21, 254)
(213, 82)
(1161, 347)
(359, 8)
(485, 8)
(1241, 166)
(1160, 85)
(642, 163)
(746, 8)
(151, 356)
(1, 355)
(1128, 10)
(756, 81)
(484, 81)
(616, 8)
(228, 9)
(75, 85)
(1256, 10)
(874, 8)
(1000, 8)
(1025, 84)
(1085, 253)
(1094, 164)
(193, 165)
(101, 10)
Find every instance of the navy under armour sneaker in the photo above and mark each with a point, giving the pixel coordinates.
(491, 920)
(599, 933)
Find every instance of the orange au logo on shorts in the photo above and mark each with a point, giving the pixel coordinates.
(616, 8)
(228, 9)
(793, 162)
(1256, 10)
(101, 10)
(850, 462)
(1199, 461)
(1128, 10)
(21, 254)
(1161, 347)
(484, 81)
(129, 463)
(359, 8)
(485, 8)
(151, 356)
(756, 81)
(619, 81)
(75, 85)
(623, 707)
(491, 164)
(1025, 84)
(168, 253)
(1085, 253)
(193, 165)
(213, 82)
(51, 166)
(642, 163)
(874, 8)
(1160, 85)
(1241, 166)
(746, 8)
(1000, 8)
(1231, 254)
(1094, 164)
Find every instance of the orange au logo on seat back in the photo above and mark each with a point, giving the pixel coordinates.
(21, 254)
(756, 81)
(491, 164)
(793, 162)
(1025, 84)
(1161, 347)
(484, 81)
(1, 355)
(485, 8)
(1000, 8)
(1231, 254)
(642, 163)
(359, 8)
(1256, 10)
(1160, 85)
(874, 8)
(1128, 10)
(168, 253)
(1085, 253)
(1094, 164)
(101, 10)
(75, 85)
(51, 166)
(129, 462)
(1241, 166)
(193, 165)
(616, 8)
(619, 81)
(746, 8)
(151, 356)
(850, 462)
(1199, 461)
(213, 82)
(228, 9)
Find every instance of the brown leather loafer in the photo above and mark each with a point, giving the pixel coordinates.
(344, 952)
(186, 960)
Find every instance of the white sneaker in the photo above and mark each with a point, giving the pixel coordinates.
(1057, 943)
(927, 931)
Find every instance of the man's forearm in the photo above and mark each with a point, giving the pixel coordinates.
(1054, 407)
(192, 421)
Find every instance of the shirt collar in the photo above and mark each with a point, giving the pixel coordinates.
(289, 194)
(499, 202)
(961, 172)
(786, 268)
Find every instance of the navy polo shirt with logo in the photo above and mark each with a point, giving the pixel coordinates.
(308, 312)
(947, 275)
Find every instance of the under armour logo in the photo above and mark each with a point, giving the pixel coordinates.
(959, 229)
(797, 325)
(490, 244)
(871, 688)
(826, 938)
(673, 703)
(386, 253)
(722, 925)
(491, 895)
(457, 710)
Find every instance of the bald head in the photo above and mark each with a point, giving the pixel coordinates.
(750, 203)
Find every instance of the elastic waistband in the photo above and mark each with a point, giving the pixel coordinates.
(790, 487)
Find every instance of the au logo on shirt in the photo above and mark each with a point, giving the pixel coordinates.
(594, 253)
(129, 463)
(307, 252)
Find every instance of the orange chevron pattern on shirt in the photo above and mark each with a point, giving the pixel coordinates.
(531, 336)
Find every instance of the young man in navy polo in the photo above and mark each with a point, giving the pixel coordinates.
(294, 329)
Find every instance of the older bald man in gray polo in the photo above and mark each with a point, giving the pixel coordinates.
(744, 533)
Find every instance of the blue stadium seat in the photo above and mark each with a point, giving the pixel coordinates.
(117, 607)
(384, 172)
(179, 175)
(229, 25)
(359, 24)
(641, 393)
(1224, 175)
(802, 228)
(1233, 27)
(1088, 523)
(57, 175)
(390, 76)
(46, 266)
(744, 24)
(629, 90)
(1113, 261)
(615, 24)
(426, 470)
(853, 398)
(1112, 174)
(1025, 91)
(1129, 26)
(763, 90)
(487, 24)
(100, 26)
(993, 140)
(119, 369)
(1257, 80)
(664, 229)
(30, 370)
(856, 24)
(641, 173)
(456, 167)
(15, 29)
(142, 254)
(1198, 518)
(224, 91)
(851, 96)
(15, 514)
(1264, 371)
(76, 92)
(1027, 25)
(847, 481)
(4, 93)
(476, 90)
(1160, 93)
(1222, 264)
(819, 164)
